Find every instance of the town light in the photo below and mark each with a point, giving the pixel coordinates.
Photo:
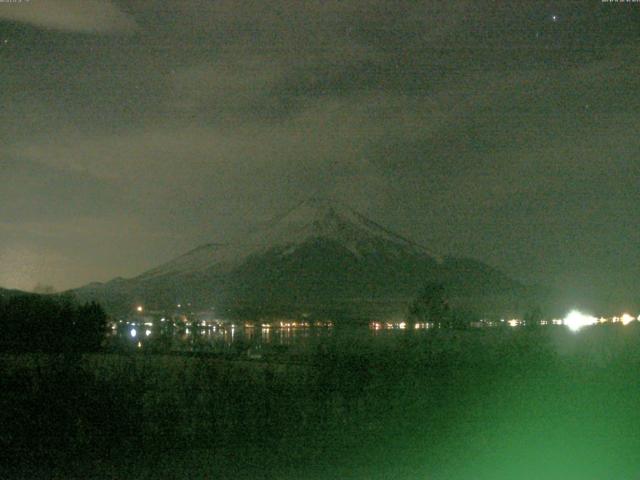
(626, 319)
(575, 320)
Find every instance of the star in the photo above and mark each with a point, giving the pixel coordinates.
(554, 18)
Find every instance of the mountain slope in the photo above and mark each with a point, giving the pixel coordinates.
(314, 218)
(320, 256)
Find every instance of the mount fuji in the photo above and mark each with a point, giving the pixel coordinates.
(321, 257)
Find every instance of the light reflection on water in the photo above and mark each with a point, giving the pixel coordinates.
(251, 341)
(224, 339)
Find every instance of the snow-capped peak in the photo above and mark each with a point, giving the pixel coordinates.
(314, 218)
(324, 218)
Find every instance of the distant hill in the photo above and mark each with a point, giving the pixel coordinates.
(320, 257)
(7, 293)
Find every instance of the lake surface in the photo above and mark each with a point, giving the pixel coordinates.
(250, 340)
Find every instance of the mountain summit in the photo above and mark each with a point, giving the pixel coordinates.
(319, 217)
(315, 218)
(319, 256)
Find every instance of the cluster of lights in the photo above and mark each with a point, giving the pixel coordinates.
(295, 324)
(398, 325)
(291, 324)
(134, 333)
(625, 319)
(576, 320)
(387, 325)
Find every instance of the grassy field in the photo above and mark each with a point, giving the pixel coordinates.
(489, 404)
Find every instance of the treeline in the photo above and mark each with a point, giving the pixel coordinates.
(433, 305)
(51, 324)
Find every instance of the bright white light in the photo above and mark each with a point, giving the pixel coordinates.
(139, 308)
(133, 333)
(514, 322)
(626, 319)
(576, 320)
(147, 332)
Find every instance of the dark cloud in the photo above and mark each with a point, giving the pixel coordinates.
(478, 129)
(33, 191)
(88, 16)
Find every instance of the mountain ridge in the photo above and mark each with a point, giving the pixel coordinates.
(319, 253)
(314, 217)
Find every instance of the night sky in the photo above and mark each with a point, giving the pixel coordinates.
(505, 131)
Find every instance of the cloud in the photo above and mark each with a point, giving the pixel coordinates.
(229, 85)
(85, 16)
(480, 130)
(22, 267)
(69, 252)
(33, 190)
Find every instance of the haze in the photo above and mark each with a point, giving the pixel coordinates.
(134, 131)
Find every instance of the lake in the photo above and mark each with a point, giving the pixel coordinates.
(252, 340)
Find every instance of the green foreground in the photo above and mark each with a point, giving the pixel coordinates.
(493, 404)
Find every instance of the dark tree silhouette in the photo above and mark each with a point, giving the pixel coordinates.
(431, 305)
(53, 324)
(533, 318)
(91, 322)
